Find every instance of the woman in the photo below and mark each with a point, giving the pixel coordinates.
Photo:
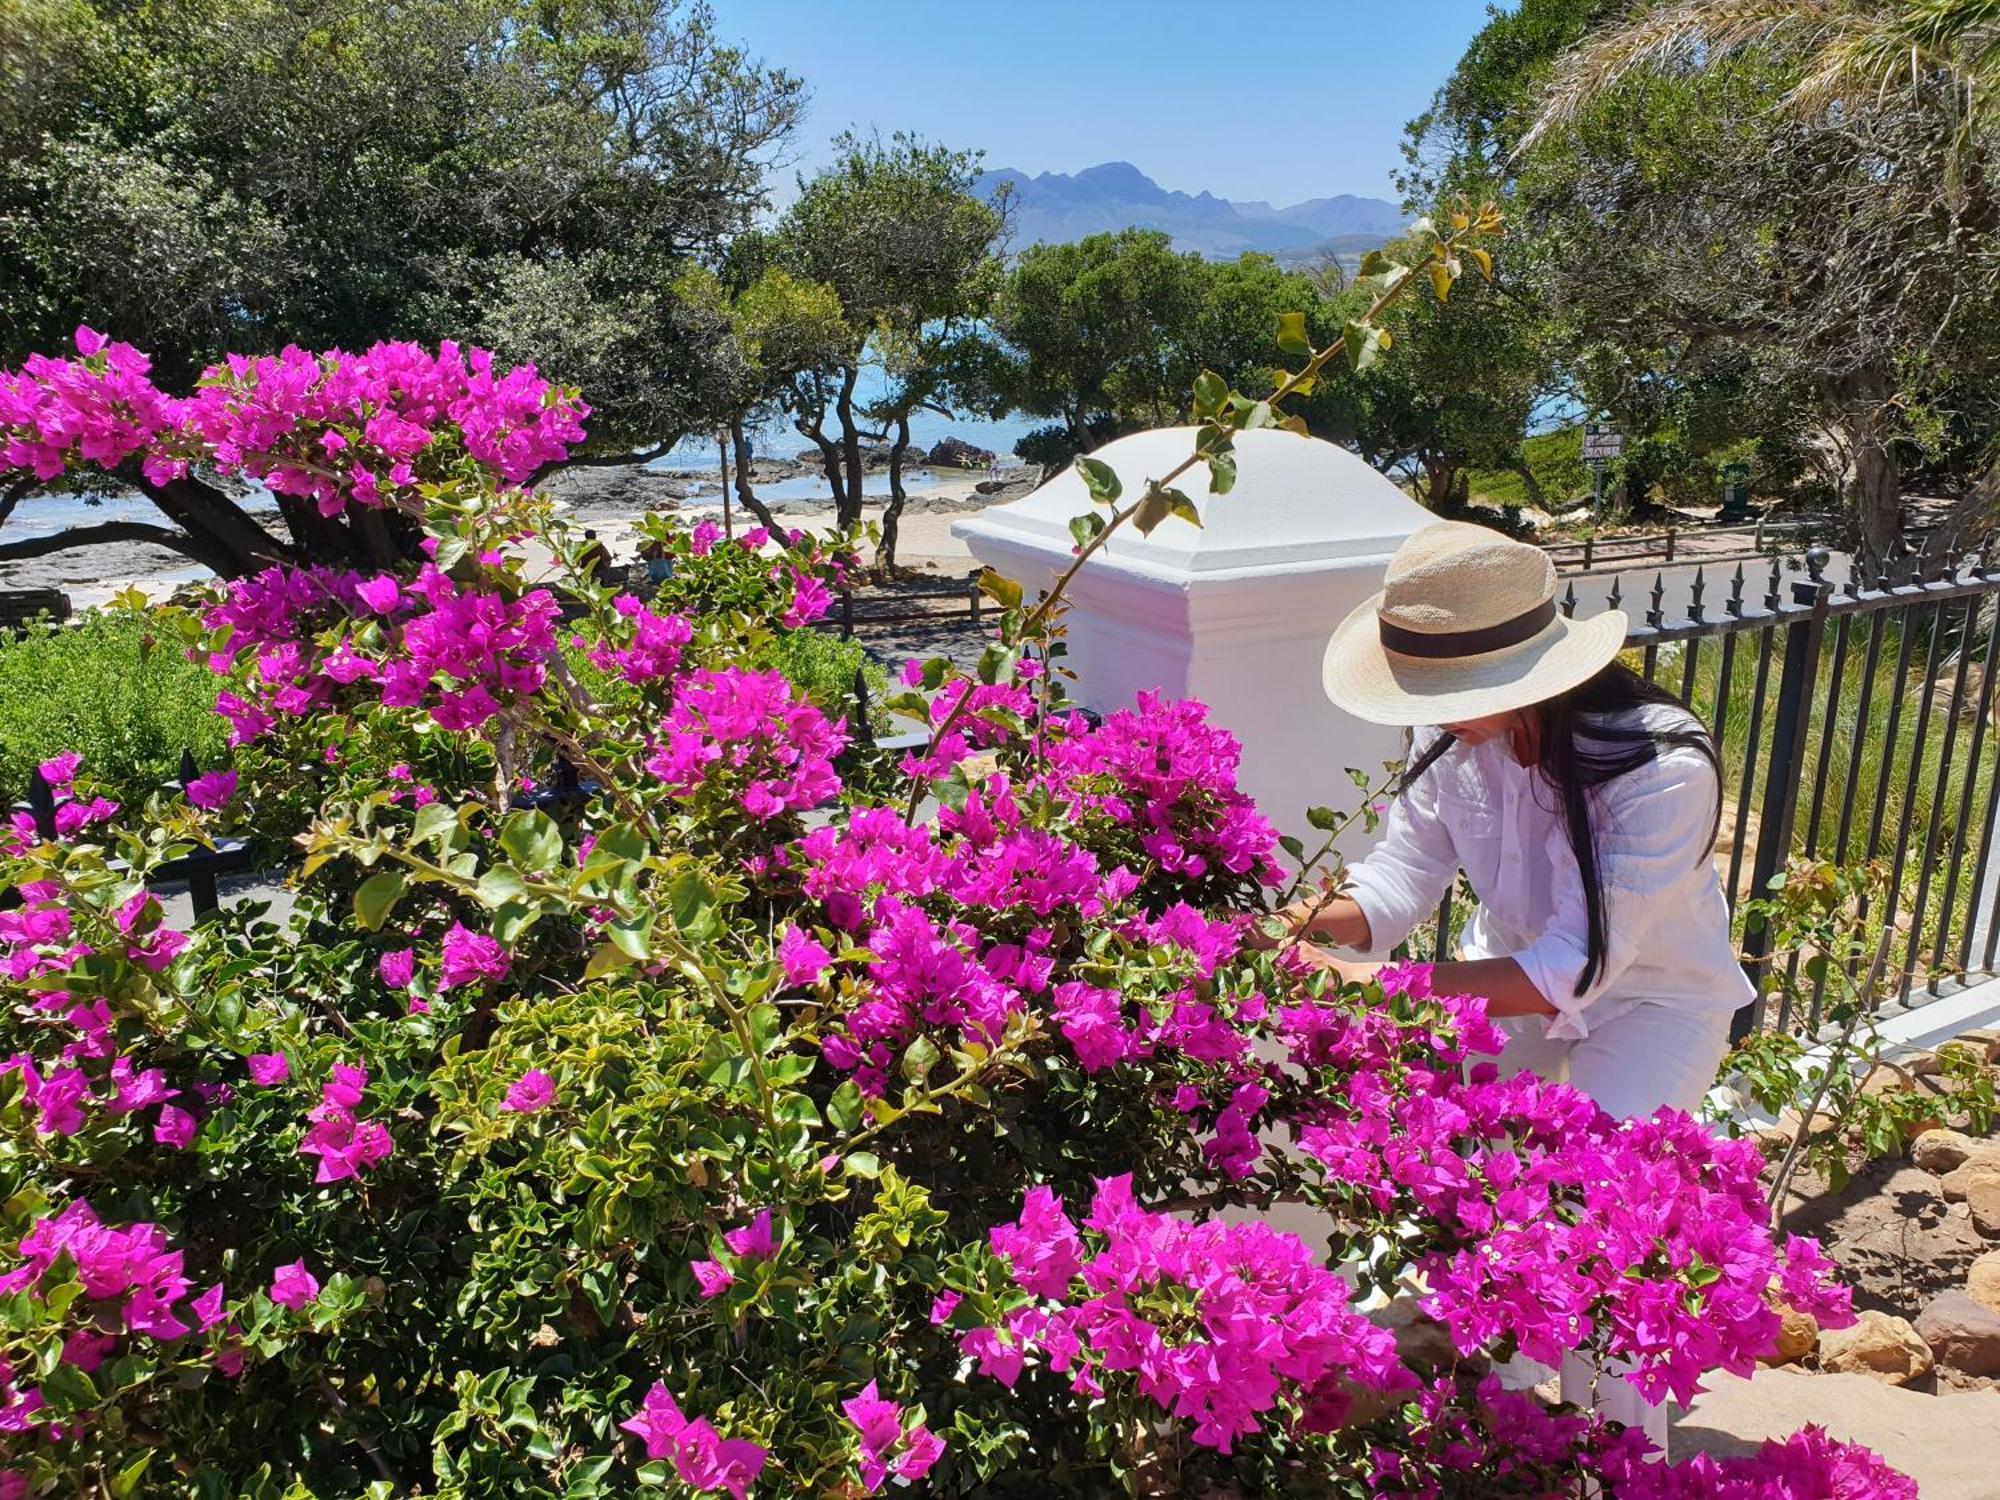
(1582, 805)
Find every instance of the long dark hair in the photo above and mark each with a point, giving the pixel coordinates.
(1588, 736)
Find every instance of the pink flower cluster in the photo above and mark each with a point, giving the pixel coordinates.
(705, 1461)
(460, 651)
(756, 1240)
(330, 427)
(1808, 1465)
(1217, 1323)
(654, 648)
(345, 1144)
(752, 732)
(133, 1286)
(99, 409)
(73, 813)
(1552, 1222)
(1163, 769)
(886, 1447)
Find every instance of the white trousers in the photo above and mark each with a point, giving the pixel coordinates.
(1632, 1065)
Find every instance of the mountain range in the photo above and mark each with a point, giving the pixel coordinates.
(1055, 207)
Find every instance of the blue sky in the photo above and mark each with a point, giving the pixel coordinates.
(1297, 100)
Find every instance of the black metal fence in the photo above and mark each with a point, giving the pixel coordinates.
(1856, 722)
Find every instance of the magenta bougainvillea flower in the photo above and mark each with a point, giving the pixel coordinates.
(533, 1091)
(470, 958)
(704, 1460)
(294, 1286)
(213, 790)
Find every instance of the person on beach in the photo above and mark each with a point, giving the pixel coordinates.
(1582, 804)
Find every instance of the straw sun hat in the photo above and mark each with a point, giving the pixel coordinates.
(1466, 625)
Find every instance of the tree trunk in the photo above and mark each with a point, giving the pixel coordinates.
(1440, 475)
(1859, 399)
(829, 460)
(740, 440)
(885, 550)
(849, 511)
(220, 533)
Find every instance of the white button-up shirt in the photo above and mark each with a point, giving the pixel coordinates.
(1667, 938)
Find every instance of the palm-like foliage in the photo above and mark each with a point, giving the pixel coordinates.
(1850, 55)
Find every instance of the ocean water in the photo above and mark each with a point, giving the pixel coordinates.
(44, 515)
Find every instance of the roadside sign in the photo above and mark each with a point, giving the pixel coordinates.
(1601, 442)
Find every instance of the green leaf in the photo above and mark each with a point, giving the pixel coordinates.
(499, 885)
(1002, 590)
(691, 900)
(433, 822)
(125, 1483)
(533, 840)
(1292, 333)
(1100, 479)
(1221, 472)
(1374, 263)
(609, 958)
(450, 552)
(377, 896)
(1210, 391)
(1325, 819)
(918, 1060)
(1087, 528)
(843, 1109)
(1363, 342)
(1291, 846)
(1150, 511)
(1440, 275)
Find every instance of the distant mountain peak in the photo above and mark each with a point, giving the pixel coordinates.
(1062, 206)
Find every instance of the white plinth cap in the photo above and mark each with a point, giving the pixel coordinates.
(1298, 502)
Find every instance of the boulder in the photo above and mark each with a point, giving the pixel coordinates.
(1983, 1198)
(1956, 1185)
(1422, 1343)
(1961, 1333)
(956, 453)
(1982, 1282)
(1798, 1334)
(1984, 1038)
(1941, 1150)
(1885, 1348)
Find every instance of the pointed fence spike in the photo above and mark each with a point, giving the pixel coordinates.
(42, 804)
(1617, 595)
(1774, 589)
(1569, 601)
(1735, 604)
(189, 770)
(1657, 614)
(1695, 591)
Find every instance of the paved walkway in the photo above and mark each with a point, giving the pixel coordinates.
(1949, 1444)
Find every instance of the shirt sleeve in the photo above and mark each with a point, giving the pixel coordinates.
(1403, 878)
(1652, 831)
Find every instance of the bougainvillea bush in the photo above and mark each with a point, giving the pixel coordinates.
(652, 1084)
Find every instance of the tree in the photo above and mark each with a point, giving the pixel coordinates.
(1090, 331)
(1459, 393)
(205, 176)
(1715, 244)
(1106, 335)
(899, 235)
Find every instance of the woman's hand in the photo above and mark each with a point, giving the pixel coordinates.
(1294, 918)
(1345, 970)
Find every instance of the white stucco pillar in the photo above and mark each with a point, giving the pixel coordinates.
(1235, 613)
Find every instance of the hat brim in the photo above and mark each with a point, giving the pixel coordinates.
(1367, 680)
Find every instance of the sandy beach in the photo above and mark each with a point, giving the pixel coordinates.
(609, 502)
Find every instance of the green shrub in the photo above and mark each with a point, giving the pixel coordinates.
(108, 687)
(822, 666)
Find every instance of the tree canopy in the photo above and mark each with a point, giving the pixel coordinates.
(207, 176)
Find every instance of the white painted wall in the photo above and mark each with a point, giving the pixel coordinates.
(1236, 613)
